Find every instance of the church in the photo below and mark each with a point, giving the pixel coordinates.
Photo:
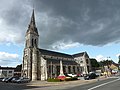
(41, 64)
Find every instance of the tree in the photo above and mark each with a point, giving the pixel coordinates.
(106, 62)
(94, 64)
(18, 68)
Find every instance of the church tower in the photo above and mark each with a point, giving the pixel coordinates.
(31, 52)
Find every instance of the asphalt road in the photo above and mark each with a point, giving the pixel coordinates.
(109, 84)
(15, 86)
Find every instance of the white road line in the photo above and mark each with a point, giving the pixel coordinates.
(103, 84)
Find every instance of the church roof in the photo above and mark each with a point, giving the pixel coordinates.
(53, 53)
(58, 54)
(80, 54)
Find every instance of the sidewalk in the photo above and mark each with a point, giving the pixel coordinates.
(77, 82)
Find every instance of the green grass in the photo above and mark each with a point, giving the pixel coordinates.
(53, 80)
(58, 80)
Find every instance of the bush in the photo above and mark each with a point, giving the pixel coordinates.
(53, 80)
(59, 80)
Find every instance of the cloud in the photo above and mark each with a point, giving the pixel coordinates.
(118, 55)
(90, 23)
(10, 35)
(9, 59)
(100, 58)
(62, 45)
(86, 22)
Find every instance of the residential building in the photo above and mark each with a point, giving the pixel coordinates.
(6, 72)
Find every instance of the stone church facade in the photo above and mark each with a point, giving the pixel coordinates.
(40, 64)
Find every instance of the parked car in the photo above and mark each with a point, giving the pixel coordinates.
(22, 80)
(90, 76)
(114, 71)
(72, 75)
(1, 79)
(4, 79)
(10, 79)
(15, 79)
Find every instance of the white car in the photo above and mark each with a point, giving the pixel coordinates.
(114, 71)
(72, 75)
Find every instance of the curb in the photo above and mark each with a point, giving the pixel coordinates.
(78, 82)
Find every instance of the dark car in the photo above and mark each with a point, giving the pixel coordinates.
(10, 79)
(90, 76)
(15, 79)
(22, 80)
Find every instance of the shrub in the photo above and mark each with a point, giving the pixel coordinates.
(53, 80)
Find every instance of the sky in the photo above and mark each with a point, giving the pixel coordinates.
(67, 26)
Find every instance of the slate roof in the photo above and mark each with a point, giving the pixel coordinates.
(58, 54)
(78, 54)
(53, 53)
(9, 68)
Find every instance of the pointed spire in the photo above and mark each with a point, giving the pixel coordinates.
(32, 22)
(32, 26)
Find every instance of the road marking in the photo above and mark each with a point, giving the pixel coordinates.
(103, 84)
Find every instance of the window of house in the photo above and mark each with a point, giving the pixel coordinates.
(87, 61)
(81, 61)
(4, 73)
(10, 71)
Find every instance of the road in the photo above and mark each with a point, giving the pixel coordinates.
(108, 84)
(15, 86)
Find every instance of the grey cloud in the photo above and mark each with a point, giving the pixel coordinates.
(83, 13)
(89, 22)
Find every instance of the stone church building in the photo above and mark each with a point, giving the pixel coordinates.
(40, 64)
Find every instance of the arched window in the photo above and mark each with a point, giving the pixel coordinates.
(35, 42)
(32, 42)
(26, 44)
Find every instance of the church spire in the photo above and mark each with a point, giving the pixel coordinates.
(32, 26)
(32, 22)
(32, 35)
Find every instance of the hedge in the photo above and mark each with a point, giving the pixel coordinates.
(53, 80)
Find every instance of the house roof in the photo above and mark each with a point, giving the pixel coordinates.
(115, 64)
(7, 68)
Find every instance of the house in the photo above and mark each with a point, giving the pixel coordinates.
(6, 72)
